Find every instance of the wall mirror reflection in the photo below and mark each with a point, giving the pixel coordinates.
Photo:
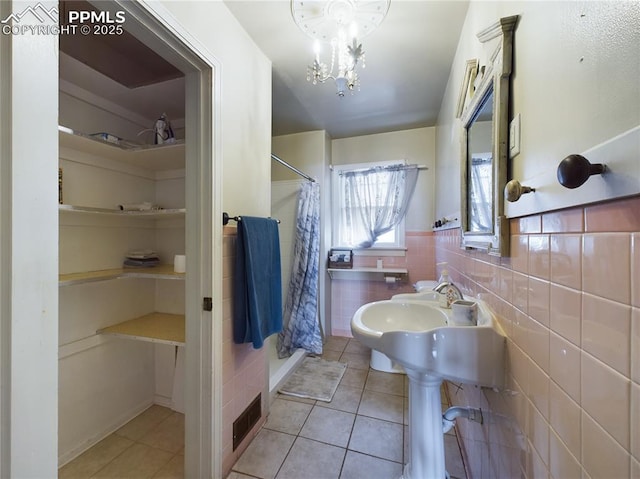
(485, 127)
(480, 168)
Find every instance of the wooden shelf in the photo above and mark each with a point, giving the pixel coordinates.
(163, 271)
(369, 274)
(151, 214)
(161, 328)
(150, 157)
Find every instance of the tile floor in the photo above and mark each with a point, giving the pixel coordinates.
(149, 446)
(360, 434)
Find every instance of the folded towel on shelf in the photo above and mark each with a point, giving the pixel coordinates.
(141, 259)
(257, 292)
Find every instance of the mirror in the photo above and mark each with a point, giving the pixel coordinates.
(483, 109)
(480, 168)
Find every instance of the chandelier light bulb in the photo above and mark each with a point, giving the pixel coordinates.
(353, 30)
(316, 50)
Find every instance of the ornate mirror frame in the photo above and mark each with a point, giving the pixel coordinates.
(491, 79)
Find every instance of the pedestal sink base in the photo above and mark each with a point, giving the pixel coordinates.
(404, 474)
(426, 439)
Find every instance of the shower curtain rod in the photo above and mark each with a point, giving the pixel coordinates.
(376, 168)
(292, 168)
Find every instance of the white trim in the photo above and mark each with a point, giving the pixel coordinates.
(30, 253)
(84, 344)
(5, 247)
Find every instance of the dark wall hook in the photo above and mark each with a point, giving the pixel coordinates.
(574, 170)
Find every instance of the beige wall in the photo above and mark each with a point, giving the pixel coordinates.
(306, 151)
(567, 296)
(246, 103)
(574, 84)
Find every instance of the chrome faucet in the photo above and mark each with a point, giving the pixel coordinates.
(450, 290)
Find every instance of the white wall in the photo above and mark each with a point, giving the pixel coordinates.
(417, 146)
(575, 85)
(246, 103)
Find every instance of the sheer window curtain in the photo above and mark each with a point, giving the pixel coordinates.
(375, 201)
(481, 192)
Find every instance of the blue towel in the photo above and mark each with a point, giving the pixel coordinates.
(257, 285)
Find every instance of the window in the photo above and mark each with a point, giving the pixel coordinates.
(362, 193)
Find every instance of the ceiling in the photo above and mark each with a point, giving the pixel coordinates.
(408, 59)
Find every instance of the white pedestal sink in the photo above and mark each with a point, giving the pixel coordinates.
(421, 337)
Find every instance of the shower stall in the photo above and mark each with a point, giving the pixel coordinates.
(284, 206)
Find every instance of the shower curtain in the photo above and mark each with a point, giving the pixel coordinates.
(300, 318)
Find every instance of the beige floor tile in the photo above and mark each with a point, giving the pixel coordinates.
(308, 457)
(355, 378)
(137, 462)
(95, 458)
(237, 475)
(377, 438)
(287, 416)
(174, 469)
(405, 448)
(265, 454)
(358, 466)
(335, 343)
(453, 457)
(406, 411)
(382, 406)
(355, 360)
(345, 399)
(144, 422)
(329, 426)
(387, 383)
(357, 347)
(286, 397)
(168, 435)
(331, 355)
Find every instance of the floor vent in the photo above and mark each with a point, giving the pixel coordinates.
(246, 421)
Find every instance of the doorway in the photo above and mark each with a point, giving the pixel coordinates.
(194, 192)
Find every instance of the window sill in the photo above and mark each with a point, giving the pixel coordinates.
(371, 274)
(391, 251)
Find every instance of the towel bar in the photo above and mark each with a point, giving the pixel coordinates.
(226, 218)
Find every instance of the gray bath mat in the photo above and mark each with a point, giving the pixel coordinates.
(315, 379)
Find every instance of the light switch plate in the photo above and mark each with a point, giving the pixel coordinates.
(514, 136)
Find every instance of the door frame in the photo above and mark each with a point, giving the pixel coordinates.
(29, 265)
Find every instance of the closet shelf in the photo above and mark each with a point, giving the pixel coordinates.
(162, 328)
(153, 214)
(163, 271)
(150, 157)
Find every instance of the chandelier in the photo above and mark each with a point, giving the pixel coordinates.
(339, 24)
